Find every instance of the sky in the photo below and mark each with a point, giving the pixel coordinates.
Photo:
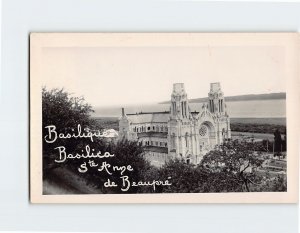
(114, 76)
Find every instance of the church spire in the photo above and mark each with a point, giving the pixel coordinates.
(179, 102)
(216, 101)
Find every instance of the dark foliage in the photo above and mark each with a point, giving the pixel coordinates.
(61, 109)
(235, 160)
(126, 153)
(65, 112)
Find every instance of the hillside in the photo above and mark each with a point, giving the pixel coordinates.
(271, 96)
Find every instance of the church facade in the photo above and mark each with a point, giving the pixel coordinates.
(179, 133)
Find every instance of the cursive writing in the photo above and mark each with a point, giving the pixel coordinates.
(53, 135)
(87, 153)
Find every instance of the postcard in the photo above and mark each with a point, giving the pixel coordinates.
(164, 117)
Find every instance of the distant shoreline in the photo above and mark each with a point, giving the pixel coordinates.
(246, 125)
(242, 120)
(270, 96)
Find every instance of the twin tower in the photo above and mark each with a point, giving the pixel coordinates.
(179, 101)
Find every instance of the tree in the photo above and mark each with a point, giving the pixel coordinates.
(266, 145)
(185, 178)
(277, 143)
(126, 153)
(271, 183)
(66, 112)
(235, 163)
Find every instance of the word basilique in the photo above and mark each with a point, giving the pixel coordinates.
(53, 135)
(87, 153)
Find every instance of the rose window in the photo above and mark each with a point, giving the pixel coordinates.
(203, 131)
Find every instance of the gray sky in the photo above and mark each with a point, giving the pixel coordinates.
(119, 75)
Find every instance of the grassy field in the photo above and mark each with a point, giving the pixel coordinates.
(256, 136)
(258, 125)
(272, 121)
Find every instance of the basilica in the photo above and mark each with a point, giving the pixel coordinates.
(181, 132)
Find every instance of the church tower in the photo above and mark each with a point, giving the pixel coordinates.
(216, 101)
(125, 131)
(217, 107)
(179, 124)
(179, 102)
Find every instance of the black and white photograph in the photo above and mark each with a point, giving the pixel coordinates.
(160, 114)
(150, 116)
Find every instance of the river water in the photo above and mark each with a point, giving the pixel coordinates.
(235, 109)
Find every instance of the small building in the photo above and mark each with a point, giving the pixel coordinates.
(179, 133)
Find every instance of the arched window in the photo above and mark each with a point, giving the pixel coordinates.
(188, 161)
(186, 140)
(173, 141)
(203, 131)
